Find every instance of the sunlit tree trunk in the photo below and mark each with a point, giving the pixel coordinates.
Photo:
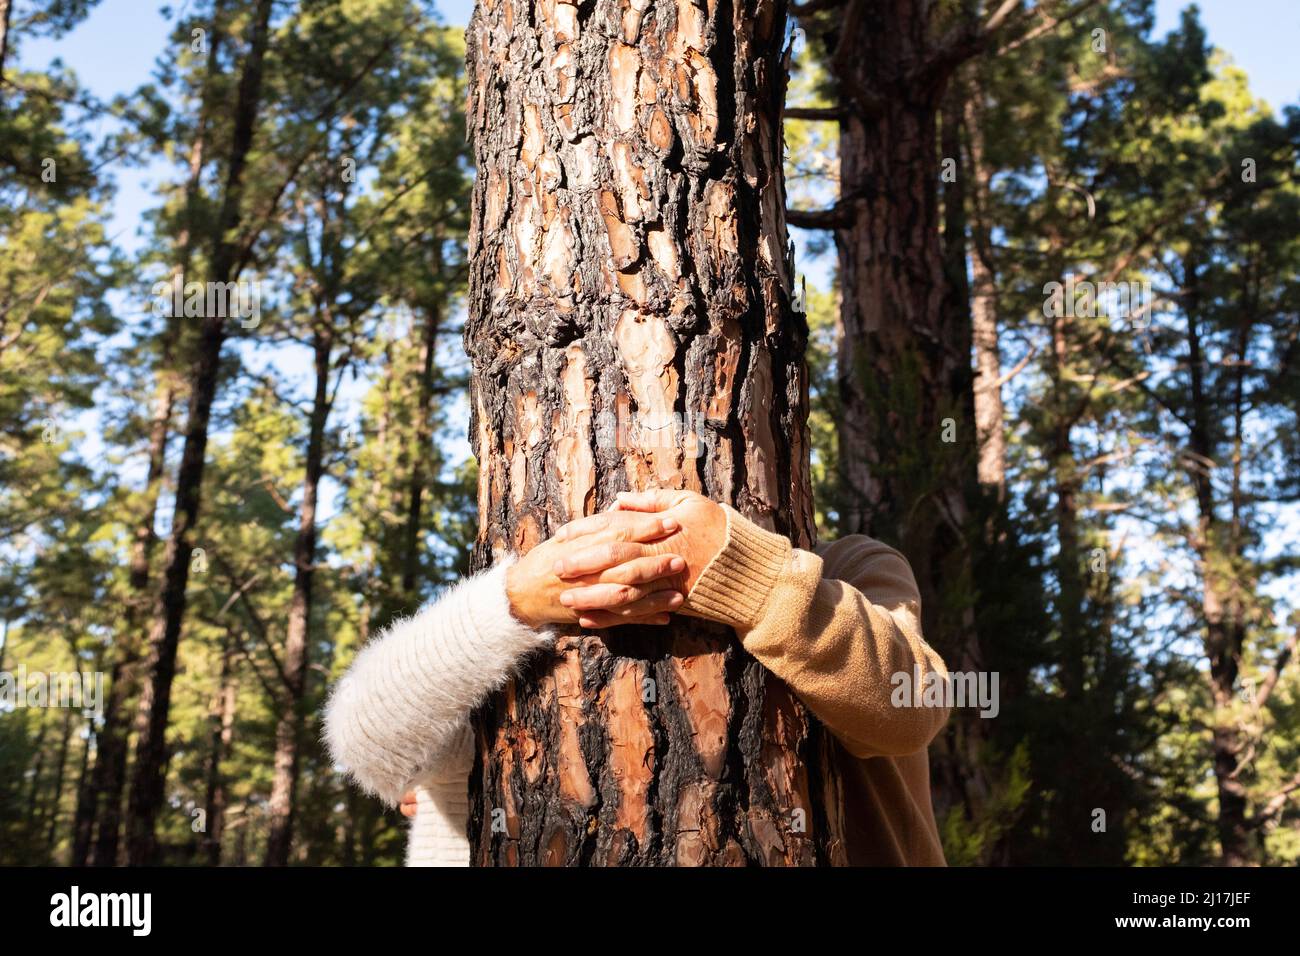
(221, 722)
(146, 797)
(124, 685)
(630, 326)
(289, 727)
(989, 427)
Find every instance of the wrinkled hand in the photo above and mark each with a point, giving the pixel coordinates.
(600, 575)
(701, 532)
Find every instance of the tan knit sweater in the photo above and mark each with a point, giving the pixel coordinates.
(838, 626)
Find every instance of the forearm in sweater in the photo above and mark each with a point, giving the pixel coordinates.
(398, 716)
(837, 630)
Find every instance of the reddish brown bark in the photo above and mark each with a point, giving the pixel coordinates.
(630, 326)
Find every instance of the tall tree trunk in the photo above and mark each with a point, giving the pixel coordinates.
(146, 796)
(989, 426)
(628, 270)
(906, 438)
(422, 437)
(60, 764)
(33, 804)
(1065, 483)
(1224, 632)
(124, 683)
(221, 721)
(6, 17)
(241, 841)
(83, 818)
(288, 730)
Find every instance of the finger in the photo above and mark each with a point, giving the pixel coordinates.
(618, 526)
(597, 558)
(645, 570)
(602, 596)
(658, 612)
(658, 499)
(624, 599)
(661, 602)
(599, 620)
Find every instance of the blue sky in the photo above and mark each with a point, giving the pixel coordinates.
(113, 51)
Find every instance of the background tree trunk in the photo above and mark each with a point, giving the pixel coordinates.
(221, 720)
(630, 326)
(83, 818)
(6, 15)
(124, 686)
(906, 439)
(148, 781)
(289, 727)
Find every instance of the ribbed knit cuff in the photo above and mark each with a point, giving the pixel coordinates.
(736, 584)
(437, 834)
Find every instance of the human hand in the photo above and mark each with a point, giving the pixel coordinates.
(623, 577)
(408, 804)
(702, 528)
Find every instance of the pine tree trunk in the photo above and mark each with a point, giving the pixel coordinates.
(6, 17)
(989, 425)
(630, 326)
(221, 720)
(1224, 628)
(56, 794)
(124, 686)
(83, 818)
(907, 438)
(288, 731)
(422, 437)
(146, 798)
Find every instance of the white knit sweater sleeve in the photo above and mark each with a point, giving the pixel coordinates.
(398, 719)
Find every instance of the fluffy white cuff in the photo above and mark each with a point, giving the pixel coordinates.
(400, 711)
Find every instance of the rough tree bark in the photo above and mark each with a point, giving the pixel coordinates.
(289, 726)
(906, 438)
(630, 326)
(146, 797)
(904, 362)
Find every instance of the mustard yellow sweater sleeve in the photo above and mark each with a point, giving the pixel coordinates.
(836, 629)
